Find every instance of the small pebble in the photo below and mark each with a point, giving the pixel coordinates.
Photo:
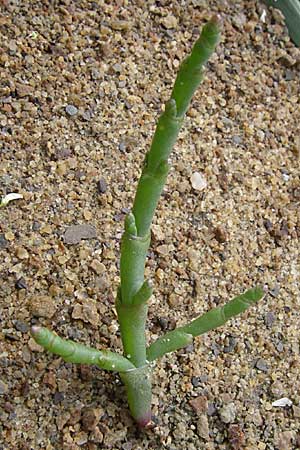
(101, 186)
(58, 397)
(90, 418)
(199, 404)
(43, 306)
(237, 140)
(21, 284)
(228, 413)
(198, 181)
(3, 388)
(75, 233)
(71, 110)
(274, 292)
(269, 318)
(98, 267)
(220, 234)
(22, 253)
(169, 21)
(262, 365)
(21, 326)
(3, 241)
(203, 427)
(211, 409)
(296, 411)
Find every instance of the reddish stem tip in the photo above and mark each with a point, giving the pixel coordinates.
(145, 422)
(35, 329)
(217, 20)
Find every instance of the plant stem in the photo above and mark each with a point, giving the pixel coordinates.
(132, 322)
(131, 302)
(136, 237)
(214, 318)
(155, 169)
(70, 351)
(138, 387)
(134, 291)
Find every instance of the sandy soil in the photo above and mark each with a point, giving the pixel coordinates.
(82, 84)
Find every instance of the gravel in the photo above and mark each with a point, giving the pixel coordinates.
(82, 84)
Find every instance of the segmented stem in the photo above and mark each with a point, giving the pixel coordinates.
(212, 319)
(73, 352)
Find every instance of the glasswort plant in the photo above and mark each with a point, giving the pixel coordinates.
(134, 291)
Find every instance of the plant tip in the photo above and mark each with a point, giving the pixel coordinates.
(217, 20)
(35, 329)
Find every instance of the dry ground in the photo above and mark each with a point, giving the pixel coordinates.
(82, 84)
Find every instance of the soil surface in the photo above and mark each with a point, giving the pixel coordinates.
(82, 85)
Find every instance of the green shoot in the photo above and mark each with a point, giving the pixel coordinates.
(134, 291)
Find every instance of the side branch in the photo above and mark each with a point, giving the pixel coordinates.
(212, 319)
(77, 353)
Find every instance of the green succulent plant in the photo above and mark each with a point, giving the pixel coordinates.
(135, 365)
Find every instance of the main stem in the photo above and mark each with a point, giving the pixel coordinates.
(134, 291)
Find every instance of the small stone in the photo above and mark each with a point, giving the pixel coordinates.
(220, 234)
(196, 381)
(101, 283)
(285, 440)
(163, 250)
(239, 20)
(3, 241)
(97, 437)
(163, 323)
(87, 312)
(98, 267)
(23, 90)
(228, 413)
(34, 347)
(21, 284)
(257, 419)
(75, 233)
(36, 225)
(22, 253)
(282, 402)
(121, 25)
(86, 115)
(71, 110)
(21, 326)
(101, 186)
(49, 380)
(262, 365)
(211, 409)
(232, 343)
(87, 214)
(3, 388)
(198, 181)
(237, 140)
(274, 292)
(269, 319)
(122, 145)
(75, 415)
(117, 68)
(169, 21)
(199, 404)
(90, 418)
(296, 411)
(236, 437)
(81, 438)
(58, 397)
(62, 419)
(43, 306)
(203, 427)
(9, 236)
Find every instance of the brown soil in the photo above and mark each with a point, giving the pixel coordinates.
(82, 84)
